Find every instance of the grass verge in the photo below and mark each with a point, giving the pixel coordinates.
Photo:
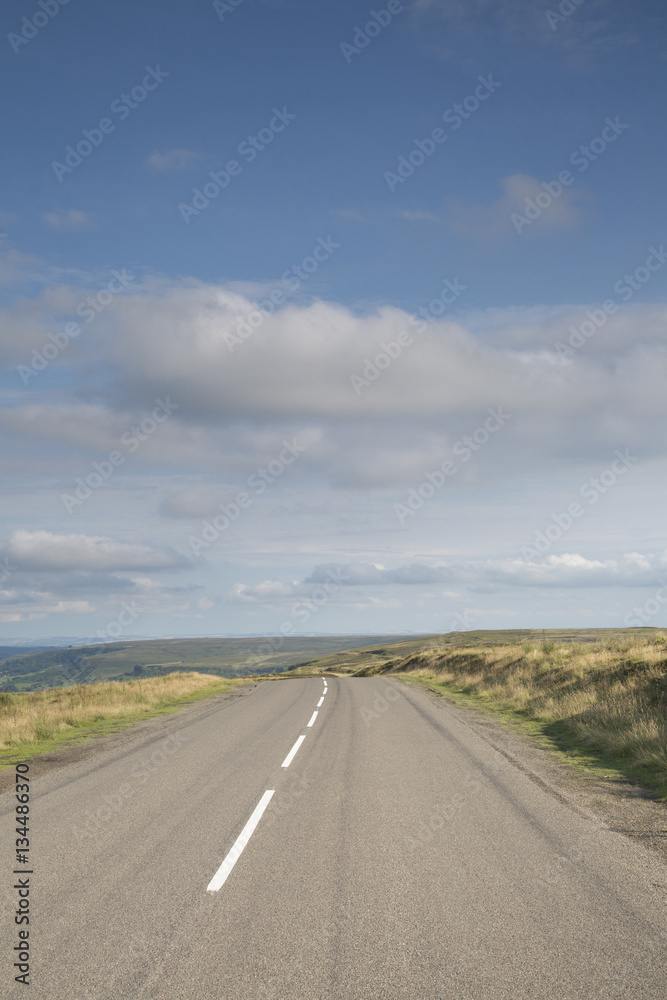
(601, 704)
(39, 721)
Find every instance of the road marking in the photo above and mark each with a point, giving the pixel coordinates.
(291, 755)
(320, 701)
(312, 719)
(246, 833)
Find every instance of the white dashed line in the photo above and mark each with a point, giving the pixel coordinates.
(291, 755)
(246, 833)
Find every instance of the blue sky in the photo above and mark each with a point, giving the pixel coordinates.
(219, 334)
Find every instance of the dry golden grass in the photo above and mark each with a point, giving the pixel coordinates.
(41, 716)
(610, 697)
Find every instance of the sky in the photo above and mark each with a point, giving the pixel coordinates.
(322, 317)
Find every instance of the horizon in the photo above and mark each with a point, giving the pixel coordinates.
(60, 641)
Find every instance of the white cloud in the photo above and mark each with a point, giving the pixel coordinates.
(292, 377)
(173, 161)
(298, 364)
(94, 428)
(266, 592)
(574, 570)
(45, 551)
(36, 605)
(568, 570)
(71, 218)
(496, 219)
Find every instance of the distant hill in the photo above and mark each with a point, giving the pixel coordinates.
(227, 657)
(6, 651)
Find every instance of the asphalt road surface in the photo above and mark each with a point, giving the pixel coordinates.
(399, 856)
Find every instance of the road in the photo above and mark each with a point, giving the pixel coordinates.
(400, 856)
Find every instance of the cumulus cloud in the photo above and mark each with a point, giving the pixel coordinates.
(266, 592)
(574, 570)
(36, 595)
(294, 375)
(44, 551)
(568, 570)
(31, 606)
(299, 361)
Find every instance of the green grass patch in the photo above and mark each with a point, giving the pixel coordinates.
(40, 722)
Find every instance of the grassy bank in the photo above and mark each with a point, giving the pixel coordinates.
(605, 700)
(38, 721)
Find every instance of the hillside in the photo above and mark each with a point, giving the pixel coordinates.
(226, 657)
(375, 657)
